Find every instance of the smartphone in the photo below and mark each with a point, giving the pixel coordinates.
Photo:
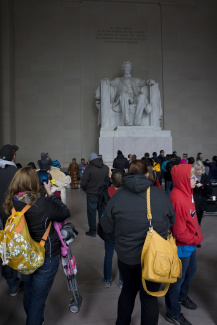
(43, 176)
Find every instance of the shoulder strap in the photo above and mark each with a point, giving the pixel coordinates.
(149, 216)
(44, 238)
(23, 220)
(27, 207)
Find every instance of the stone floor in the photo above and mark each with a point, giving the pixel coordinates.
(99, 305)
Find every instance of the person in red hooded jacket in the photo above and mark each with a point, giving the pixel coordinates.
(188, 235)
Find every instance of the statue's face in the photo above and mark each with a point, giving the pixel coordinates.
(127, 68)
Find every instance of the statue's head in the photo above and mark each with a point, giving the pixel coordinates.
(127, 65)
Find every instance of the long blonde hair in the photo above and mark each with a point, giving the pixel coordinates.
(25, 180)
(199, 165)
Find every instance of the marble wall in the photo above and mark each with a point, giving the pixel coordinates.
(56, 52)
(189, 74)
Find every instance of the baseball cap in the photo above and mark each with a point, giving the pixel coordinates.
(7, 151)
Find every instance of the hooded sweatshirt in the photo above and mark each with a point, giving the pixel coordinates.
(120, 162)
(125, 216)
(186, 229)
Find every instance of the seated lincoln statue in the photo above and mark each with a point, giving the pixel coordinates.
(128, 101)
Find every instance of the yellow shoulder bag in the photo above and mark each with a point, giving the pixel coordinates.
(17, 248)
(160, 262)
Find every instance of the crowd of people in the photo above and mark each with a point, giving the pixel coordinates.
(179, 189)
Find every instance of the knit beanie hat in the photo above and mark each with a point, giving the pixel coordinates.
(55, 163)
(93, 156)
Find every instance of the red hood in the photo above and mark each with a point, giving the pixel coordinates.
(111, 191)
(186, 229)
(181, 177)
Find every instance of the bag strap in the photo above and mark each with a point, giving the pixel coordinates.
(156, 293)
(27, 207)
(44, 238)
(149, 216)
(22, 221)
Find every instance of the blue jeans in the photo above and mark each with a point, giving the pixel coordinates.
(169, 187)
(109, 252)
(92, 204)
(37, 287)
(179, 290)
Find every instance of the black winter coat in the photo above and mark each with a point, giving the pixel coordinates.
(120, 162)
(93, 176)
(126, 216)
(45, 163)
(38, 217)
(6, 175)
(201, 193)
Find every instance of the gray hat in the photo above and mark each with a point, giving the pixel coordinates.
(93, 156)
(43, 155)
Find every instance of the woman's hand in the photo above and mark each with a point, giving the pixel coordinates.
(47, 187)
(199, 185)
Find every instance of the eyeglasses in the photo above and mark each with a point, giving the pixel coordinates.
(193, 177)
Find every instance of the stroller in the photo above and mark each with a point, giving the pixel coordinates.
(67, 234)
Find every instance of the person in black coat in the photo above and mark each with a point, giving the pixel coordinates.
(212, 168)
(25, 189)
(202, 189)
(120, 162)
(111, 185)
(45, 162)
(93, 177)
(8, 169)
(126, 217)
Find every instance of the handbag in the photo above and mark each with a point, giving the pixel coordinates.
(159, 260)
(17, 249)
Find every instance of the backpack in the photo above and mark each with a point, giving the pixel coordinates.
(170, 165)
(17, 249)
